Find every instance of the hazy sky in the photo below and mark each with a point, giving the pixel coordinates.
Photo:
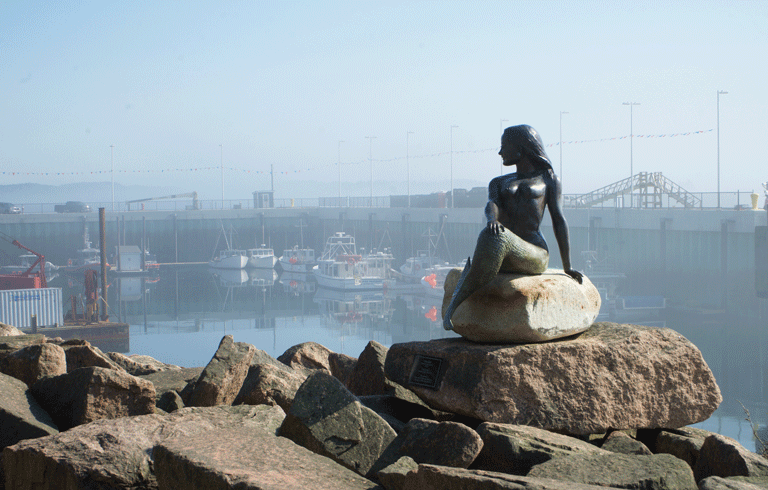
(281, 83)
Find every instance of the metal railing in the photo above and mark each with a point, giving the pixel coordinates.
(666, 195)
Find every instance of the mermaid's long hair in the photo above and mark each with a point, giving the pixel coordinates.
(528, 139)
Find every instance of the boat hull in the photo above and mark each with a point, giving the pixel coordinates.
(232, 262)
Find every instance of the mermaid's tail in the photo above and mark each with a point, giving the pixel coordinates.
(447, 323)
(493, 251)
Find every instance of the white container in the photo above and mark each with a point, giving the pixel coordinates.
(18, 305)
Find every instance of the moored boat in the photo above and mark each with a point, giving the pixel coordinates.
(298, 260)
(87, 258)
(341, 267)
(261, 258)
(229, 259)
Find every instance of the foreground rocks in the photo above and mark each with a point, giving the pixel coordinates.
(330, 421)
(522, 308)
(610, 377)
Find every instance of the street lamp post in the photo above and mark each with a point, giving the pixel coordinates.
(408, 164)
(370, 160)
(221, 164)
(561, 144)
(452, 164)
(340, 142)
(719, 93)
(112, 159)
(501, 133)
(631, 138)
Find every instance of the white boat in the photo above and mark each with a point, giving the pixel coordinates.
(416, 267)
(261, 258)
(87, 258)
(298, 259)
(25, 262)
(341, 267)
(229, 259)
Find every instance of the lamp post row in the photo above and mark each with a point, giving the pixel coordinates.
(501, 130)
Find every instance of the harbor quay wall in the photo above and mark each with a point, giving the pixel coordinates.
(671, 247)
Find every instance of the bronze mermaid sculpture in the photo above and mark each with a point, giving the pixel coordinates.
(511, 241)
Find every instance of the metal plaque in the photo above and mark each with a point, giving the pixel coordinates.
(426, 371)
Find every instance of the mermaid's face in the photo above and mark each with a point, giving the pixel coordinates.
(510, 153)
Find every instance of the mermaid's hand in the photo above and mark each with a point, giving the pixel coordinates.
(447, 324)
(495, 227)
(576, 275)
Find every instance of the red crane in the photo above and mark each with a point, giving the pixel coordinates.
(27, 279)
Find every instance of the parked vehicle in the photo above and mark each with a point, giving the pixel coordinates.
(8, 208)
(72, 207)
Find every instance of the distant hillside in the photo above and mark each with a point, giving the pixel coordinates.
(92, 192)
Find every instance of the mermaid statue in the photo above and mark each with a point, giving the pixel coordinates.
(511, 241)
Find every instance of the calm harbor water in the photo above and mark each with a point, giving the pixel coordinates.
(180, 316)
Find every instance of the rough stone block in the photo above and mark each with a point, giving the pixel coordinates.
(610, 377)
(222, 378)
(93, 393)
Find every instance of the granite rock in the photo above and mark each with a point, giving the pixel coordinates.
(80, 354)
(724, 457)
(607, 469)
(515, 449)
(93, 393)
(34, 362)
(684, 443)
(517, 308)
(118, 453)
(222, 378)
(21, 417)
(620, 442)
(247, 458)
(271, 385)
(426, 441)
(429, 477)
(9, 330)
(138, 365)
(610, 377)
(329, 420)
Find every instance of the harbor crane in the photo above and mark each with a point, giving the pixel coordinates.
(27, 278)
(193, 195)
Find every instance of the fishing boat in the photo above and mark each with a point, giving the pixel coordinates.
(297, 259)
(414, 267)
(261, 258)
(341, 267)
(229, 258)
(87, 258)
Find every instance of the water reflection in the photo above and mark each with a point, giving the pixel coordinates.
(180, 316)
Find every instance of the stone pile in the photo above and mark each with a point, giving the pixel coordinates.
(316, 419)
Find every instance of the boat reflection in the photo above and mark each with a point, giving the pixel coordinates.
(298, 283)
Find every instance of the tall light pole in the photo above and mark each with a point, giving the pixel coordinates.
(631, 137)
(452, 164)
(222, 175)
(561, 144)
(719, 93)
(340, 142)
(501, 133)
(408, 164)
(370, 160)
(112, 159)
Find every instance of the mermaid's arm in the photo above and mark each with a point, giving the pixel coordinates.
(560, 226)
